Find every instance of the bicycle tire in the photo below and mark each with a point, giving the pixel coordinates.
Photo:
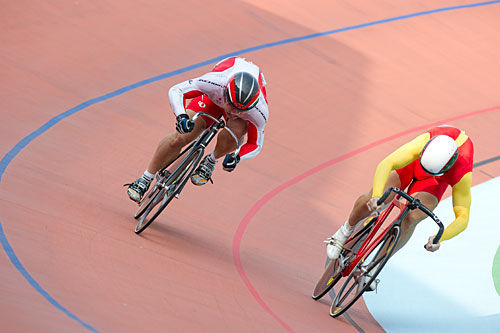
(148, 199)
(180, 175)
(331, 275)
(369, 267)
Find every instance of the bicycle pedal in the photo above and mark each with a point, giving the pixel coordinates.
(176, 196)
(373, 287)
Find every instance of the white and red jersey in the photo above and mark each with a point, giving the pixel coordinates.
(213, 84)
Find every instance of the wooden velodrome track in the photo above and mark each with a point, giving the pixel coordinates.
(242, 254)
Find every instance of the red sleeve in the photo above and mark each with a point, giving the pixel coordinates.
(251, 143)
(224, 64)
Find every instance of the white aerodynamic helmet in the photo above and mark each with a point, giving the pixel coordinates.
(439, 155)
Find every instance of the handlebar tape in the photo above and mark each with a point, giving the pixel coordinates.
(384, 196)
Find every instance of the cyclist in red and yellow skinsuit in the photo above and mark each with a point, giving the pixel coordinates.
(440, 157)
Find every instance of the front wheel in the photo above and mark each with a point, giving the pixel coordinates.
(333, 270)
(150, 198)
(365, 272)
(171, 187)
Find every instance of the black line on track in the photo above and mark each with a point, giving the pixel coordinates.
(490, 160)
(331, 293)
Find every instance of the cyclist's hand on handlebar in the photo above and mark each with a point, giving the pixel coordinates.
(184, 124)
(372, 204)
(230, 162)
(430, 246)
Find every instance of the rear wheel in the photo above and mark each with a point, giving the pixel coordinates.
(168, 189)
(365, 273)
(333, 269)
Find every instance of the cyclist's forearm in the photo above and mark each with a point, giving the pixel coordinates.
(249, 150)
(384, 168)
(457, 226)
(255, 140)
(461, 207)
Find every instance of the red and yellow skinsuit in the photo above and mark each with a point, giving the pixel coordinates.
(406, 161)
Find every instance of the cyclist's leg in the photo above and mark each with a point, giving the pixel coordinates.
(429, 191)
(360, 210)
(225, 144)
(225, 141)
(415, 216)
(429, 195)
(170, 147)
(204, 171)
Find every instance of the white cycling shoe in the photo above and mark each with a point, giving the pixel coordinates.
(204, 171)
(335, 244)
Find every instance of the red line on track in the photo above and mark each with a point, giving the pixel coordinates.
(238, 236)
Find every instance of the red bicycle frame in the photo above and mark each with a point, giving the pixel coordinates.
(368, 244)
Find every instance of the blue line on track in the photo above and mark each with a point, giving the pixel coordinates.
(15, 261)
(4, 163)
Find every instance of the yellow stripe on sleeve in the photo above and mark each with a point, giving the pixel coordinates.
(461, 139)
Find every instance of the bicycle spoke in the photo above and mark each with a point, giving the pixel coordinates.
(364, 274)
(177, 179)
(333, 270)
(348, 292)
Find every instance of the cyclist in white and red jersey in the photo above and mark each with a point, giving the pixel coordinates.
(235, 89)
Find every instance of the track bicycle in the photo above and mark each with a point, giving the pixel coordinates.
(172, 178)
(367, 251)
